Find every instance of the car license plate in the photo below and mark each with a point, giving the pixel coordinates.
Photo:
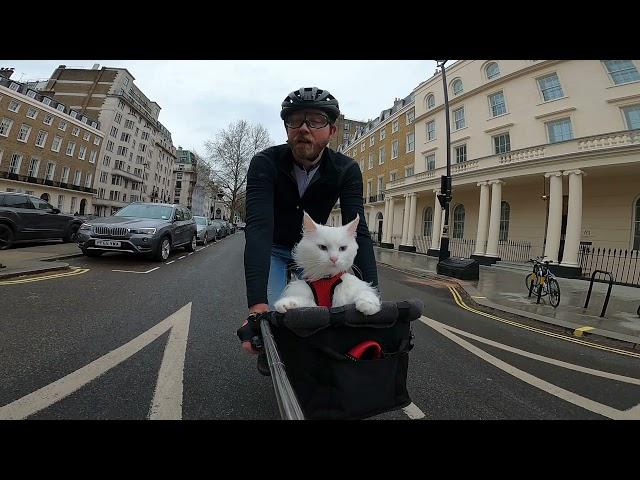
(107, 243)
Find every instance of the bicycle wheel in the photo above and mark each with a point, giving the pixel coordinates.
(554, 292)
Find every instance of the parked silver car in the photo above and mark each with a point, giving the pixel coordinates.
(141, 228)
(207, 231)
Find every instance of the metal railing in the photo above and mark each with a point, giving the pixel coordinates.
(422, 243)
(624, 265)
(514, 250)
(462, 247)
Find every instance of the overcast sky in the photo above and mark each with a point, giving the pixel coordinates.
(198, 98)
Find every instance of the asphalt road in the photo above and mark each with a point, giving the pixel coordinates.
(129, 338)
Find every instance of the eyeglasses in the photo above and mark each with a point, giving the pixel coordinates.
(313, 120)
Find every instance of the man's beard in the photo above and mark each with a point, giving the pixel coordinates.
(305, 151)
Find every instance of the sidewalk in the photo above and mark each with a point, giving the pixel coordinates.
(23, 260)
(504, 290)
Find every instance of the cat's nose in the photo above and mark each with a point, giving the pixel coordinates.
(334, 259)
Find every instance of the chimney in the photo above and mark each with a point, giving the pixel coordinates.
(6, 72)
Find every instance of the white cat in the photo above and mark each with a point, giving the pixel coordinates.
(325, 252)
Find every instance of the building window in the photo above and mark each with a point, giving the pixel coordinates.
(41, 139)
(370, 161)
(381, 154)
(82, 152)
(392, 176)
(362, 147)
(87, 180)
(456, 86)
(60, 202)
(410, 116)
(51, 168)
(14, 86)
(380, 185)
(103, 177)
(458, 118)
(73, 114)
(383, 133)
(502, 143)
(461, 153)
(394, 126)
(371, 141)
(74, 201)
(65, 175)
(394, 149)
(559, 130)
(48, 119)
(427, 220)
(125, 137)
(622, 71)
(86, 136)
(431, 130)
(55, 145)
(125, 81)
(431, 101)
(120, 104)
(122, 150)
(492, 70)
(636, 235)
(109, 146)
(369, 182)
(430, 161)
(5, 126)
(114, 132)
(33, 167)
(505, 212)
(46, 101)
(408, 171)
(32, 112)
(96, 140)
(496, 102)
(92, 156)
(62, 126)
(71, 147)
(60, 107)
(75, 132)
(14, 106)
(632, 115)
(16, 160)
(550, 87)
(23, 134)
(458, 221)
(411, 142)
(76, 177)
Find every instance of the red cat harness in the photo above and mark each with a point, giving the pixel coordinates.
(323, 289)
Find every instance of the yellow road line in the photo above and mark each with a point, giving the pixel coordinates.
(461, 304)
(76, 271)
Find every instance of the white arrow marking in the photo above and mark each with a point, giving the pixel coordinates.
(413, 412)
(56, 391)
(131, 271)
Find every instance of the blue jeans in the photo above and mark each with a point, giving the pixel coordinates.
(280, 258)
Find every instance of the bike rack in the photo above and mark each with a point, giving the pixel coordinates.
(606, 300)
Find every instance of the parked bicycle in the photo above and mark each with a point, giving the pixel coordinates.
(545, 282)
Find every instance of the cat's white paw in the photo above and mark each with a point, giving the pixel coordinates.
(285, 304)
(368, 306)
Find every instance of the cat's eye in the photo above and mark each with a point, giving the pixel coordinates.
(342, 249)
(323, 247)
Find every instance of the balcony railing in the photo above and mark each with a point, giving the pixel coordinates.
(612, 140)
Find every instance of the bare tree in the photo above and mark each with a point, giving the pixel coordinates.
(230, 153)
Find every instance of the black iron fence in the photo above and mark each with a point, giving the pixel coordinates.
(514, 250)
(624, 265)
(462, 247)
(422, 243)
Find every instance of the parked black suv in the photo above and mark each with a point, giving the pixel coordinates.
(25, 217)
(142, 228)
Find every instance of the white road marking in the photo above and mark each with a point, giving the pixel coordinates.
(167, 399)
(191, 253)
(182, 257)
(201, 248)
(131, 271)
(56, 391)
(169, 263)
(413, 412)
(550, 388)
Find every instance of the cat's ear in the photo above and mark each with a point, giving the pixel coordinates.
(352, 226)
(308, 225)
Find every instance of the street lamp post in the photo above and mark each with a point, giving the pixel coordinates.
(445, 181)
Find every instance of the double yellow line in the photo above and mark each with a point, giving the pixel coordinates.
(76, 271)
(461, 304)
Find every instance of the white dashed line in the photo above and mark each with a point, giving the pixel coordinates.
(182, 257)
(169, 263)
(131, 271)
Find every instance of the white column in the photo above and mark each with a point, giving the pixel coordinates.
(436, 231)
(412, 218)
(391, 219)
(494, 222)
(405, 220)
(483, 219)
(574, 219)
(385, 221)
(554, 224)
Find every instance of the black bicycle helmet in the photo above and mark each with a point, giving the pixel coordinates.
(311, 97)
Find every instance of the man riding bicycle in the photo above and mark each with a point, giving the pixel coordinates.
(286, 180)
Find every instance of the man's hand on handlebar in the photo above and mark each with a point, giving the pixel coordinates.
(257, 308)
